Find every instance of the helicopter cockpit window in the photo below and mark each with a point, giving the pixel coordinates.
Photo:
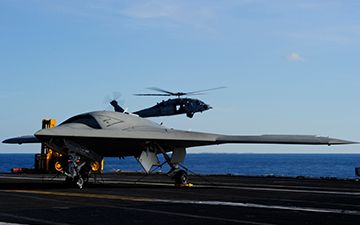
(84, 119)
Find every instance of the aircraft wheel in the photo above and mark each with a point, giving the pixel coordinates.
(95, 167)
(58, 164)
(181, 177)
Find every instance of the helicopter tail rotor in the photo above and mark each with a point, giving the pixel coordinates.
(114, 101)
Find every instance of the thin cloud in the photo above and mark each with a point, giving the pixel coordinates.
(295, 57)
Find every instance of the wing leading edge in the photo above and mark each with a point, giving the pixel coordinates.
(282, 139)
(22, 139)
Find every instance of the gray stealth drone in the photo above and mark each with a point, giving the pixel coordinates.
(89, 137)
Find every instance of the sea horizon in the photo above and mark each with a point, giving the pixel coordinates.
(256, 164)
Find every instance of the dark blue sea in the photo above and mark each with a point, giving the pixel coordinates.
(308, 165)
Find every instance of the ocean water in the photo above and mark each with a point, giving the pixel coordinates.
(309, 165)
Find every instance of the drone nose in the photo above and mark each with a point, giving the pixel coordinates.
(208, 107)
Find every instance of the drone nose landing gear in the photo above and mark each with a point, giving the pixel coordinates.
(78, 172)
(79, 164)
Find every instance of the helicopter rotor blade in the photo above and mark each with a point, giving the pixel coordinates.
(161, 90)
(199, 92)
(107, 99)
(115, 96)
(189, 94)
(152, 95)
(168, 93)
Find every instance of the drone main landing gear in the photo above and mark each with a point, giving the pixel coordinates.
(181, 177)
(178, 156)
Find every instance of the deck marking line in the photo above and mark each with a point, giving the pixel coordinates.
(29, 178)
(237, 204)
(80, 195)
(296, 190)
(39, 221)
(130, 208)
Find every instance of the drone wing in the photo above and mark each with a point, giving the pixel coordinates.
(283, 139)
(187, 139)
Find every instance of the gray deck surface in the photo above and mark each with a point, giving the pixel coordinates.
(131, 198)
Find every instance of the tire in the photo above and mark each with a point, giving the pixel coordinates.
(181, 177)
(95, 166)
(58, 164)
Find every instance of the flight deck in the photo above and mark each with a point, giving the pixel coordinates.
(137, 198)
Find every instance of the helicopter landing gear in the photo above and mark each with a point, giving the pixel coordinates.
(190, 114)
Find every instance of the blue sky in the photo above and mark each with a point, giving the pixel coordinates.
(289, 67)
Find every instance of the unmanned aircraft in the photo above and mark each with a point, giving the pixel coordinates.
(86, 138)
(170, 107)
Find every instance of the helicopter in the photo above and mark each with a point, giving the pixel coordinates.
(175, 106)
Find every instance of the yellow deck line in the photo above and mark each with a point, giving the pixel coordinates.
(80, 195)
